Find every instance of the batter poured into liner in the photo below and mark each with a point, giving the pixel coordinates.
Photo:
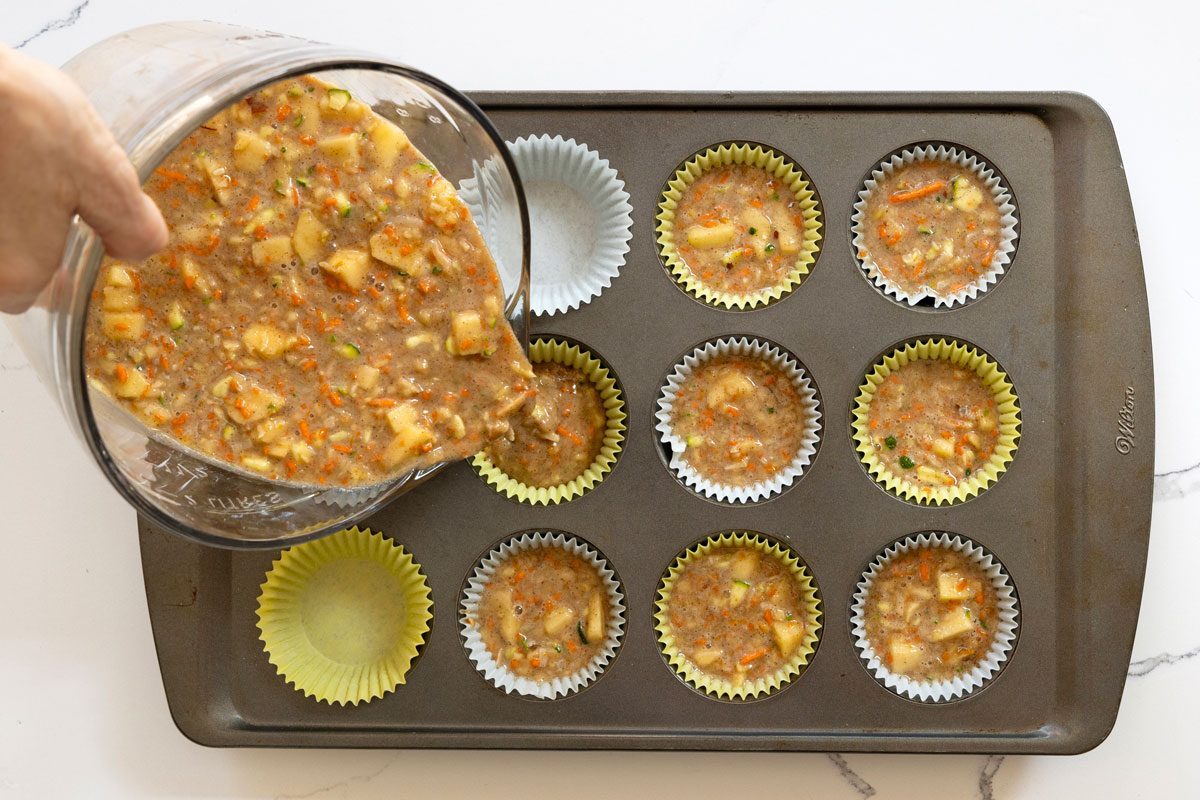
(737, 613)
(544, 613)
(931, 614)
(931, 225)
(933, 423)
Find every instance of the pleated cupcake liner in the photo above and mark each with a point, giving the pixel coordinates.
(991, 182)
(776, 165)
(722, 688)
(996, 381)
(747, 347)
(498, 673)
(342, 618)
(1003, 639)
(549, 350)
(563, 280)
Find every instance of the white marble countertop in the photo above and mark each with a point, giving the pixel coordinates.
(83, 713)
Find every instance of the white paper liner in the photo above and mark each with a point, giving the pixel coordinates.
(749, 347)
(580, 221)
(1008, 612)
(500, 675)
(986, 175)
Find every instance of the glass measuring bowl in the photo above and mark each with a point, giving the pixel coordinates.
(153, 86)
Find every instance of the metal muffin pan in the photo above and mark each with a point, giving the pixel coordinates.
(1069, 520)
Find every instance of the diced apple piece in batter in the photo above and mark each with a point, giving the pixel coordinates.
(943, 447)
(948, 586)
(706, 658)
(930, 475)
(467, 334)
(366, 377)
(410, 435)
(250, 151)
(130, 383)
(967, 196)
(256, 463)
(269, 430)
(218, 178)
(349, 265)
(444, 207)
(309, 238)
(265, 341)
(906, 656)
(760, 222)
(252, 404)
(389, 142)
(593, 629)
(729, 386)
(121, 277)
(787, 634)
(272, 251)
(397, 254)
(716, 236)
(123, 326)
(302, 452)
(954, 623)
(557, 620)
(401, 417)
(117, 298)
(193, 278)
(510, 626)
(341, 148)
(789, 236)
(744, 564)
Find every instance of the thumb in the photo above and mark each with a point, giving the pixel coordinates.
(112, 202)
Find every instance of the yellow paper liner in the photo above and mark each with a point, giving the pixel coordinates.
(342, 618)
(550, 350)
(993, 378)
(722, 688)
(777, 165)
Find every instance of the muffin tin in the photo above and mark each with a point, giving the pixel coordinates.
(1069, 521)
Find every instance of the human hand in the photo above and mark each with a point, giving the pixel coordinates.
(57, 159)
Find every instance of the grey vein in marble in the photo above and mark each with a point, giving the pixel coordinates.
(342, 785)
(987, 775)
(57, 24)
(1147, 665)
(851, 777)
(1176, 483)
(11, 357)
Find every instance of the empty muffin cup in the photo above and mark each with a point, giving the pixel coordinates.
(612, 404)
(1004, 621)
(775, 225)
(967, 448)
(580, 220)
(502, 595)
(963, 274)
(685, 422)
(342, 618)
(791, 636)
